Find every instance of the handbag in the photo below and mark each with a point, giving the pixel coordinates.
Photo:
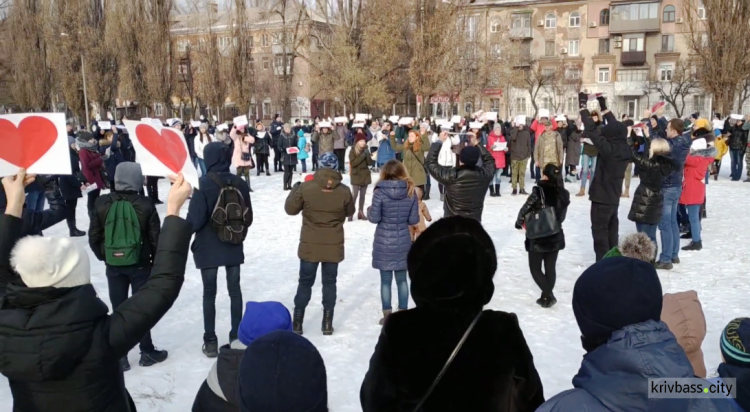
(543, 222)
(448, 362)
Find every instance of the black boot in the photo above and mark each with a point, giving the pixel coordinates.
(153, 357)
(549, 302)
(124, 364)
(211, 348)
(299, 319)
(694, 246)
(77, 233)
(497, 190)
(327, 326)
(426, 194)
(492, 191)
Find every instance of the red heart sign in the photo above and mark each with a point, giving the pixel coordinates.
(26, 143)
(168, 147)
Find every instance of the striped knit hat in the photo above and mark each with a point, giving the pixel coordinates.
(735, 342)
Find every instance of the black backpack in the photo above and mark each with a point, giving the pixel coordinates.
(230, 217)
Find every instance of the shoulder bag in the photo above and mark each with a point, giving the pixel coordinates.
(542, 222)
(448, 362)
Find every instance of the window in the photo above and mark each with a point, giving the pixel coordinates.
(571, 104)
(701, 10)
(521, 21)
(636, 11)
(699, 103)
(497, 50)
(252, 62)
(468, 24)
(668, 14)
(495, 27)
(637, 75)
(573, 47)
(603, 46)
(572, 73)
(665, 72)
(182, 45)
(276, 38)
(575, 19)
(264, 40)
(521, 105)
(159, 109)
(547, 103)
(548, 73)
(494, 105)
(266, 63)
(549, 48)
(224, 42)
(550, 21)
(267, 108)
(603, 75)
(604, 17)
(704, 39)
(278, 61)
(633, 43)
(667, 43)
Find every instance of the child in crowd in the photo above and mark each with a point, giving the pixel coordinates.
(424, 216)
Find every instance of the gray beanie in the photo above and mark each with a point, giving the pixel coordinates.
(128, 177)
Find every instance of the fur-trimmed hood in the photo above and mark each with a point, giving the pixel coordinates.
(710, 152)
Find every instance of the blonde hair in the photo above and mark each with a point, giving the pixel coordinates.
(395, 170)
(658, 146)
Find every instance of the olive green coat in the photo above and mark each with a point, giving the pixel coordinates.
(359, 167)
(413, 157)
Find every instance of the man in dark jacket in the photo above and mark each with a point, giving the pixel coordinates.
(465, 185)
(737, 145)
(325, 203)
(606, 186)
(128, 181)
(276, 128)
(209, 251)
(70, 189)
(61, 349)
(679, 140)
(520, 152)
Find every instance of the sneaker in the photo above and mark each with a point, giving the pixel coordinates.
(694, 246)
(152, 358)
(211, 348)
(663, 266)
(124, 364)
(676, 261)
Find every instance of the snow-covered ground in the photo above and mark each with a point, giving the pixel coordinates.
(718, 273)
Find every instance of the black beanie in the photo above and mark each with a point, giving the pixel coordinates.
(469, 156)
(614, 293)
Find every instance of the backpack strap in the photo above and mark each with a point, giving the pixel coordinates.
(216, 179)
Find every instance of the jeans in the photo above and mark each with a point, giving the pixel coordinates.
(587, 164)
(304, 165)
(545, 280)
(648, 229)
(386, 279)
(694, 213)
(307, 273)
(670, 229)
(209, 301)
(496, 178)
(604, 228)
(201, 165)
(35, 201)
(736, 165)
(119, 282)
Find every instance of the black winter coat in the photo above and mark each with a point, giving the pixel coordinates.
(148, 218)
(62, 351)
(648, 200)
(465, 187)
(276, 129)
(227, 370)
(70, 185)
(35, 222)
(285, 142)
(737, 138)
(614, 157)
(553, 197)
(208, 250)
(493, 372)
(262, 145)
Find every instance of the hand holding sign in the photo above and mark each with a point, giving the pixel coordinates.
(37, 142)
(178, 194)
(161, 151)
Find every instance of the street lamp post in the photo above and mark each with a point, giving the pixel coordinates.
(85, 96)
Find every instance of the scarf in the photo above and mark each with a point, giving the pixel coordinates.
(85, 145)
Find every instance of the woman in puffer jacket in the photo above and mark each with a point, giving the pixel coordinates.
(394, 208)
(693, 187)
(648, 200)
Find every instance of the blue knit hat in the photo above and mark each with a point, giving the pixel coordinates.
(282, 371)
(329, 161)
(735, 342)
(261, 318)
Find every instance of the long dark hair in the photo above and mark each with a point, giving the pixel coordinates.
(553, 173)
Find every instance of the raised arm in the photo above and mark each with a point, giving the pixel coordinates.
(442, 174)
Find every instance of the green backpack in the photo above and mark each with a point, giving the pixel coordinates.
(122, 235)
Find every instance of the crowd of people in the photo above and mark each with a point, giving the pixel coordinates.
(61, 346)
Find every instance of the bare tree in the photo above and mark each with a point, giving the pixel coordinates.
(537, 78)
(718, 34)
(186, 88)
(5, 63)
(673, 87)
(211, 78)
(242, 76)
(743, 93)
(32, 78)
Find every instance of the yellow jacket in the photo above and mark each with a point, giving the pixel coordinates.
(721, 147)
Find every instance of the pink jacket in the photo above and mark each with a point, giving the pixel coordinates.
(499, 156)
(240, 147)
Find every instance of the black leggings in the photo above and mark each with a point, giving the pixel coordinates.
(152, 187)
(545, 280)
(261, 161)
(288, 176)
(70, 216)
(277, 160)
(92, 196)
(340, 154)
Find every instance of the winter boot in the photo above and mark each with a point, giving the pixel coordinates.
(327, 326)
(523, 192)
(581, 192)
(686, 235)
(426, 194)
(492, 190)
(663, 266)
(514, 192)
(77, 233)
(386, 313)
(497, 190)
(211, 348)
(361, 215)
(694, 246)
(299, 318)
(676, 261)
(549, 302)
(152, 358)
(124, 364)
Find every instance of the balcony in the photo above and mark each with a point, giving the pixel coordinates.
(521, 33)
(632, 58)
(634, 26)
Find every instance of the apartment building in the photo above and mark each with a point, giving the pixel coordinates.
(613, 47)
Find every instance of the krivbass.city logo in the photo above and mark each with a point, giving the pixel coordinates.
(666, 388)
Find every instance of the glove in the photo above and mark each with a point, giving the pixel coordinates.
(602, 103)
(583, 100)
(519, 227)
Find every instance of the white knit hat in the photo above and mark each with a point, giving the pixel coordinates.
(50, 262)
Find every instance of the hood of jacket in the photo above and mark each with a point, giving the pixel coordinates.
(710, 152)
(393, 189)
(616, 372)
(215, 156)
(743, 382)
(46, 332)
(327, 178)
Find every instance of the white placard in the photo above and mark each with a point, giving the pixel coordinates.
(241, 120)
(405, 121)
(161, 151)
(37, 142)
(156, 123)
(393, 119)
(105, 125)
(323, 125)
(718, 124)
(358, 126)
(520, 119)
(360, 117)
(491, 116)
(341, 119)
(736, 116)
(456, 119)
(146, 120)
(543, 113)
(475, 125)
(195, 123)
(222, 126)
(499, 146)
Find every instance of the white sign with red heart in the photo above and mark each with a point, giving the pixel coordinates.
(37, 142)
(161, 151)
